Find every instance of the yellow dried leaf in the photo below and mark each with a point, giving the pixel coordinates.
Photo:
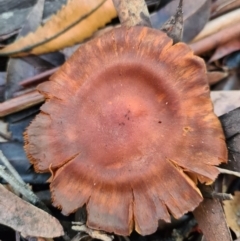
(76, 21)
(232, 211)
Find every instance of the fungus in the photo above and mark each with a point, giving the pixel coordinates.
(127, 129)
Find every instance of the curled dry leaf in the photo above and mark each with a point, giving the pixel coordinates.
(232, 211)
(225, 49)
(26, 218)
(72, 24)
(216, 76)
(115, 131)
(218, 24)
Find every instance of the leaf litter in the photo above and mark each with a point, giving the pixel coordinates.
(218, 60)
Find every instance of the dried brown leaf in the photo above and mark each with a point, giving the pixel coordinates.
(232, 211)
(26, 218)
(218, 24)
(215, 76)
(216, 39)
(222, 6)
(72, 24)
(225, 49)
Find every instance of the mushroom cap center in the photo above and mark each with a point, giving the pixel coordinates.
(126, 116)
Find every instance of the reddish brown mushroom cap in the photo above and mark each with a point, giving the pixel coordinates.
(126, 117)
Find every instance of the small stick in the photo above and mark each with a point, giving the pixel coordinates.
(11, 169)
(222, 196)
(20, 103)
(91, 232)
(215, 40)
(24, 91)
(23, 189)
(225, 171)
(37, 79)
(14, 179)
(132, 13)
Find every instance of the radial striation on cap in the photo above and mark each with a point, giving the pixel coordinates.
(127, 129)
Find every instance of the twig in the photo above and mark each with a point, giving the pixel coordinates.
(18, 186)
(79, 237)
(20, 103)
(225, 171)
(10, 168)
(13, 178)
(92, 233)
(38, 78)
(222, 196)
(24, 91)
(216, 39)
(132, 13)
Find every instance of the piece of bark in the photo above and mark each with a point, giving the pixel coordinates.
(24, 91)
(25, 218)
(132, 13)
(211, 220)
(231, 126)
(218, 24)
(195, 15)
(20, 103)
(174, 26)
(216, 39)
(230, 123)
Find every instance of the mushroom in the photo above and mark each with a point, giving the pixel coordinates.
(127, 129)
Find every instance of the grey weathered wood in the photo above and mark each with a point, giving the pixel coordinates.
(132, 13)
